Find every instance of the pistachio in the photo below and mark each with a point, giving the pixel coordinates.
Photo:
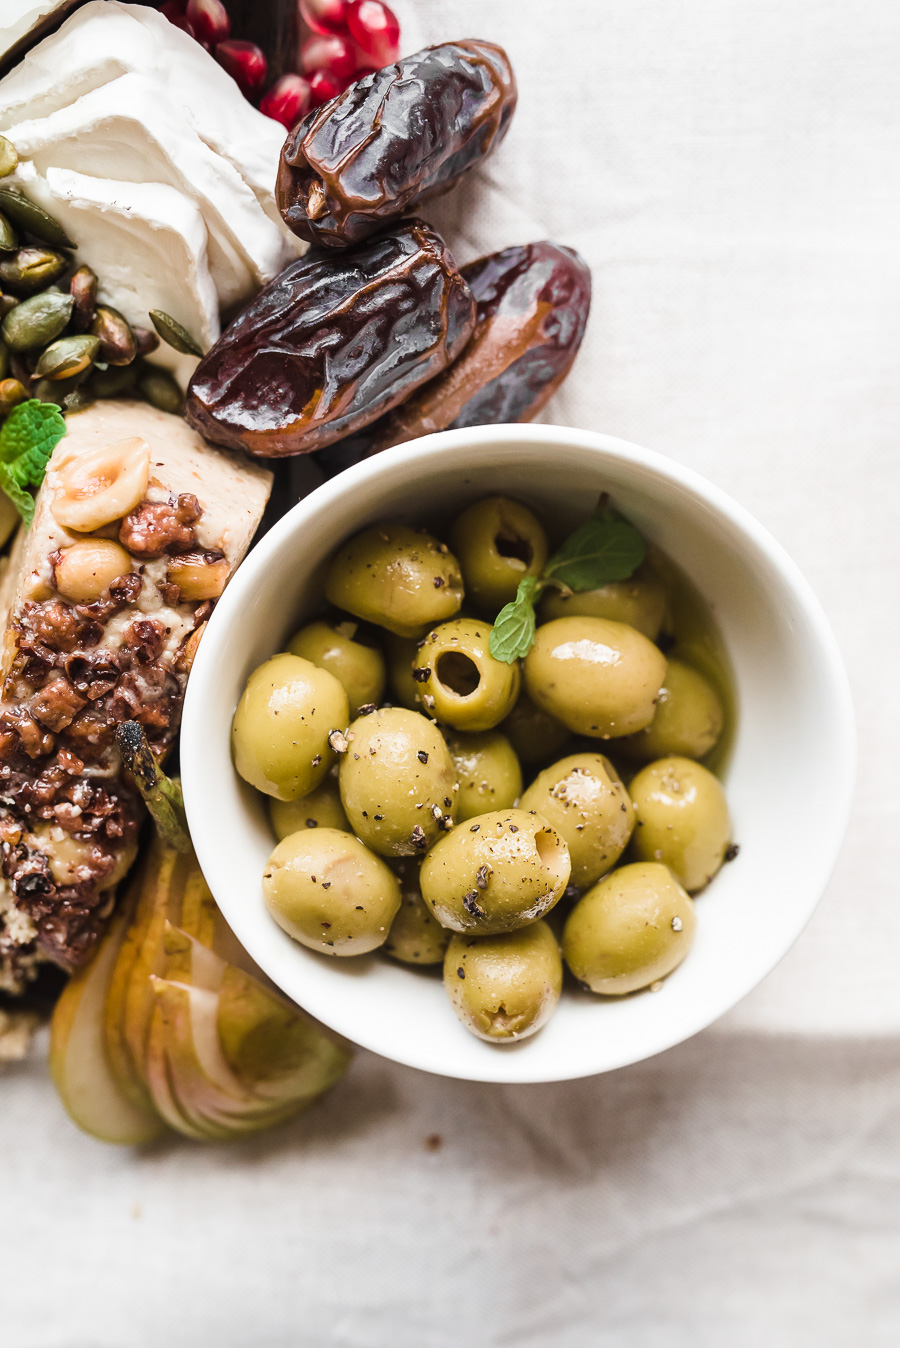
(116, 382)
(83, 289)
(32, 219)
(9, 158)
(86, 569)
(31, 269)
(68, 356)
(93, 487)
(197, 576)
(161, 390)
(8, 237)
(117, 344)
(11, 394)
(147, 341)
(171, 331)
(37, 320)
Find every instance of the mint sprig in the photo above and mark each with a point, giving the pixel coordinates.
(28, 437)
(603, 549)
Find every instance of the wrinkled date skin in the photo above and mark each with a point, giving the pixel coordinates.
(392, 139)
(532, 306)
(333, 342)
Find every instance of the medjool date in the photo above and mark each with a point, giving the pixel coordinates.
(332, 343)
(393, 138)
(532, 306)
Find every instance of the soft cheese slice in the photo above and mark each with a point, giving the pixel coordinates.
(68, 812)
(147, 244)
(104, 40)
(124, 131)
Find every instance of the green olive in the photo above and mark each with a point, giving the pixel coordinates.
(398, 782)
(397, 577)
(535, 735)
(281, 727)
(630, 930)
(585, 801)
(401, 655)
(641, 602)
(488, 773)
(329, 892)
(499, 871)
(498, 542)
(334, 647)
(688, 718)
(462, 685)
(322, 808)
(504, 987)
(682, 819)
(599, 678)
(416, 936)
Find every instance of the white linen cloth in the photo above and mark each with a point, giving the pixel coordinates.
(730, 171)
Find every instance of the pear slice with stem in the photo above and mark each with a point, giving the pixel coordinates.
(91, 1092)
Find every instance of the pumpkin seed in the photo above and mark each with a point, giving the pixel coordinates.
(8, 237)
(147, 341)
(11, 394)
(4, 360)
(7, 302)
(78, 399)
(37, 320)
(114, 382)
(117, 344)
(32, 219)
(83, 288)
(68, 356)
(31, 269)
(55, 390)
(161, 390)
(9, 158)
(171, 331)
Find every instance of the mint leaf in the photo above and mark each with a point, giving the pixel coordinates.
(28, 437)
(603, 549)
(513, 632)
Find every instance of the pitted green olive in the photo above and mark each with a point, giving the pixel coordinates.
(462, 685)
(497, 542)
(280, 733)
(334, 646)
(416, 936)
(599, 678)
(497, 872)
(688, 718)
(585, 801)
(504, 987)
(488, 773)
(641, 602)
(682, 819)
(397, 577)
(398, 782)
(329, 892)
(401, 655)
(535, 735)
(322, 808)
(633, 928)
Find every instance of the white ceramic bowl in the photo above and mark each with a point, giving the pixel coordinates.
(789, 780)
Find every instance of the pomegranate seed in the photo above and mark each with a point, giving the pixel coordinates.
(245, 63)
(209, 20)
(323, 87)
(175, 16)
(375, 29)
(327, 17)
(288, 100)
(334, 55)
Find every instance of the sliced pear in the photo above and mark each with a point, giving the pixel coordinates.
(88, 1087)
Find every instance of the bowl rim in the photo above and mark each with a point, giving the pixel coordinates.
(835, 683)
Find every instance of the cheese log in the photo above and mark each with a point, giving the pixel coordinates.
(74, 666)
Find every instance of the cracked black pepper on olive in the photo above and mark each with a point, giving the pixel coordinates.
(444, 829)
